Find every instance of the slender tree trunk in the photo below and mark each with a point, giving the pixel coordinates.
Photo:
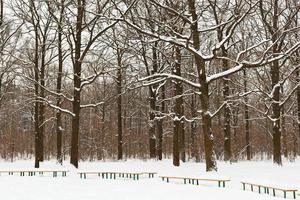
(42, 95)
(298, 105)
(119, 103)
(36, 105)
(284, 134)
(59, 129)
(160, 126)
(204, 96)
(247, 123)
(1, 12)
(194, 152)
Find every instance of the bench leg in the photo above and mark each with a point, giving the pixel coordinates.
(274, 192)
(184, 181)
(167, 180)
(223, 184)
(252, 188)
(244, 186)
(219, 183)
(294, 193)
(284, 194)
(259, 189)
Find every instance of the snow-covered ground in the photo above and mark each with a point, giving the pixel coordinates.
(73, 188)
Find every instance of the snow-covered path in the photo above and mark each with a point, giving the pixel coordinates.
(92, 188)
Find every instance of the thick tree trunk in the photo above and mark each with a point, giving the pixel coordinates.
(178, 134)
(227, 112)
(177, 130)
(77, 84)
(204, 96)
(153, 107)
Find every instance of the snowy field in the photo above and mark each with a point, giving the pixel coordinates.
(94, 188)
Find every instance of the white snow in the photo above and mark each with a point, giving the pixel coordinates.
(45, 187)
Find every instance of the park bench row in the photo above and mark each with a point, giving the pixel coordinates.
(55, 173)
(266, 189)
(114, 175)
(261, 188)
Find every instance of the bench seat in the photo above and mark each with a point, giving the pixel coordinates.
(267, 188)
(194, 180)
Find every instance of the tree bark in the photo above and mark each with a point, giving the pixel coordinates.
(119, 103)
(59, 129)
(204, 94)
(160, 126)
(247, 123)
(76, 85)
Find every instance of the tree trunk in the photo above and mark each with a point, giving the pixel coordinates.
(160, 126)
(204, 95)
(247, 123)
(298, 105)
(178, 138)
(59, 129)
(119, 103)
(77, 84)
(194, 152)
(153, 107)
(227, 112)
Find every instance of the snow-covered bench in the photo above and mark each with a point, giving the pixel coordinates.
(33, 172)
(114, 175)
(267, 188)
(193, 180)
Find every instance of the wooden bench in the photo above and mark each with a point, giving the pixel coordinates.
(192, 180)
(267, 189)
(114, 175)
(34, 172)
